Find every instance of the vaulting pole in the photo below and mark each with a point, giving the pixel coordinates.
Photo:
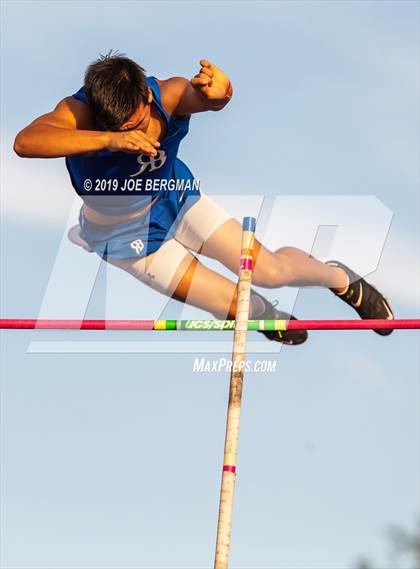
(235, 395)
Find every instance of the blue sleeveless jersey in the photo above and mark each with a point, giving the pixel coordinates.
(117, 183)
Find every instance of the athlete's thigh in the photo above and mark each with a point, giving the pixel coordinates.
(162, 270)
(188, 280)
(224, 245)
(201, 286)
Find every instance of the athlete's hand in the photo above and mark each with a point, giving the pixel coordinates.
(211, 81)
(132, 141)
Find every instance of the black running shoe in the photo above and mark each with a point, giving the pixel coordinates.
(366, 300)
(289, 337)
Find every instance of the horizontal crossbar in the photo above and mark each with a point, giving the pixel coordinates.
(208, 325)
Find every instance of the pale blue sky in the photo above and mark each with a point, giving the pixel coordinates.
(113, 460)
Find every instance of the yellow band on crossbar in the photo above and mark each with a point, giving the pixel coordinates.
(160, 325)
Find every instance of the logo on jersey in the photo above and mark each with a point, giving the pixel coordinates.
(137, 245)
(150, 162)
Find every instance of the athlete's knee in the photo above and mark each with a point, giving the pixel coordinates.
(225, 306)
(277, 271)
(183, 279)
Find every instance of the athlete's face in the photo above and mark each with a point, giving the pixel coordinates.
(140, 119)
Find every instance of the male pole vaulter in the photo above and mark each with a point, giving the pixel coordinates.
(120, 135)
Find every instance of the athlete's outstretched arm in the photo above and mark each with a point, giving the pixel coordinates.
(62, 132)
(70, 129)
(209, 90)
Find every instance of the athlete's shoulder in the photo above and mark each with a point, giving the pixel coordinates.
(80, 101)
(171, 92)
(79, 111)
(68, 113)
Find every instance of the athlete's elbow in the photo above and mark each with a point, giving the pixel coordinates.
(23, 146)
(19, 146)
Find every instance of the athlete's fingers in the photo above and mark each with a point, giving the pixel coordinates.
(153, 141)
(130, 149)
(200, 81)
(146, 137)
(138, 135)
(202, 76)
(147, 152)
(206, 71)
(205, 63)
(150, 150)
(140, 146)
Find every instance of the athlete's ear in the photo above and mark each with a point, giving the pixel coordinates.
(150, 97)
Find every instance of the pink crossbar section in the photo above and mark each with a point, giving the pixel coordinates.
(77, 324)
(402, 324)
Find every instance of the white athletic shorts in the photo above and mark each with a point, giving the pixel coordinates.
(158, 269)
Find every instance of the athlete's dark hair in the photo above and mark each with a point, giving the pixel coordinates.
(115, 87)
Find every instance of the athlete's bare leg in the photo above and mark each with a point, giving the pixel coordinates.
(286, 266)
(192, 283)
(202, 287)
